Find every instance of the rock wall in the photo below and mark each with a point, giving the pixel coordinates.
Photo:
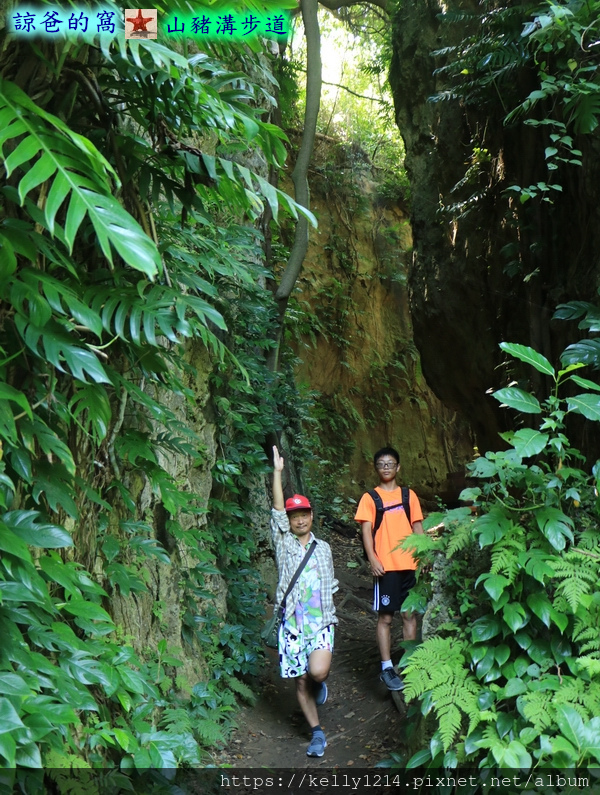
(358, 351)
(484, 270)
(147, 618)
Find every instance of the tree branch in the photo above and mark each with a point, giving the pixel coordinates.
(333, 5)
(349, 90)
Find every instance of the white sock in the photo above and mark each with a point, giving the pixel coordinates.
(386, 664)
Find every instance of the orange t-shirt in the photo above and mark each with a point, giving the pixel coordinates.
(394, 528)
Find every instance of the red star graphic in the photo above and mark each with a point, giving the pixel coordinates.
(139, 22)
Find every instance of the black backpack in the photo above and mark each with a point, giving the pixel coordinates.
(380, 508)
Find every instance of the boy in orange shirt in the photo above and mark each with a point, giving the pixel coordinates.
(393, 568)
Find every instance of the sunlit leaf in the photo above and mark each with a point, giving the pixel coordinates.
(518, 399)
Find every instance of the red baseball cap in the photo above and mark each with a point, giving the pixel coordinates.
(297, 503)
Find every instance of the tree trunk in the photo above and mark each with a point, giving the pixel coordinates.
(300, 173)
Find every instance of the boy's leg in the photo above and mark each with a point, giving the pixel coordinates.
(409, 619)
(388, 676)
(385, 602)
(409, 626)
(384, 626)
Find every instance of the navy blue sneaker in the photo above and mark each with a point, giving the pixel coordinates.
(391, 680)
(317, 745)
(320, 693)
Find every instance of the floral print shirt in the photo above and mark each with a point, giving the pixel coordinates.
(317, 581)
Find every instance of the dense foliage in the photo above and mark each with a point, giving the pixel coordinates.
(356, 103)
(128, 253)
(540, 62)
(511, 679)
(130, 267)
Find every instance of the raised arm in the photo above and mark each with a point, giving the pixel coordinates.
(278, 502)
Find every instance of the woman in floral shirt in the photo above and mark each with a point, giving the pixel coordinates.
(306, 635)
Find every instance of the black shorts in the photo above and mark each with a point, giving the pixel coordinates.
(391, 589)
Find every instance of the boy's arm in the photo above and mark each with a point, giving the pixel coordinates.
(415, 510)
(278, 501)
(367, 537)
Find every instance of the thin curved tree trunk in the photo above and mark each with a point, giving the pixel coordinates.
(309, 10)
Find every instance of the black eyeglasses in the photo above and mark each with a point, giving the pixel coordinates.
(387, 465)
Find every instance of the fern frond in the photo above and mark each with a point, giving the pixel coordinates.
(537, 709)
(505, 559)
(588, 636)
(420, 544)
(430, 665)
(582, 633)
(450, 719)
(72, 775)
(241, 689)
(209, 731)
(572, 690)
(450, 703)
(182, 683)
(55, 760)
(177, 721)
(591, 648)
(448, 627)
(577, 578)
(461, 538)
(579, 694)
(490, 735)
(591, 665)
(438, 667)
(588, 539)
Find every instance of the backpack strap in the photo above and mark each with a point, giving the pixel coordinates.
(380, 508)
(406, 503)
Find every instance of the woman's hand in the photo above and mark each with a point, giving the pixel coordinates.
(278, 461)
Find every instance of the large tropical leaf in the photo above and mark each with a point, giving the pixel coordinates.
(529, 356)
(28, 527)
(528, 441)
(79, 175)
(518, 399)
(584, 351)
(588, 405)
(584, 107)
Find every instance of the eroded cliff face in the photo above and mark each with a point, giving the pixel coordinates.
(357, 347)
(484, 269)
(146, 617)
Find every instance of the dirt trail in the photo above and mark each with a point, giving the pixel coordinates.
(361, 721)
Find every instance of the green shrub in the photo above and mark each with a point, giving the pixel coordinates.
(513, 678)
